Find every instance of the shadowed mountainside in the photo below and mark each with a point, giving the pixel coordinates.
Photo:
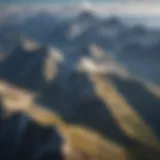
(30, 65)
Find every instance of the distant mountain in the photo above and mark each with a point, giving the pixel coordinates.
(103, 32)
(9, 37)
(141, 59)
(66, 32)
(39, 26)
(86, 16)
(139, 34)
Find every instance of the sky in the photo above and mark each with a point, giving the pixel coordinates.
(147, 7)
(46, 1)
(65, 1)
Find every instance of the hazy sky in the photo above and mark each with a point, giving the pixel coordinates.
(47, 1)
(63, 1)
(42, 1)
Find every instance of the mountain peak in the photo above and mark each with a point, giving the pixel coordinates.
(29, 45)
(113, 22)
(92, 50)
(87, 15)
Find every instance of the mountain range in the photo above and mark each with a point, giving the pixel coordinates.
(96, 74)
